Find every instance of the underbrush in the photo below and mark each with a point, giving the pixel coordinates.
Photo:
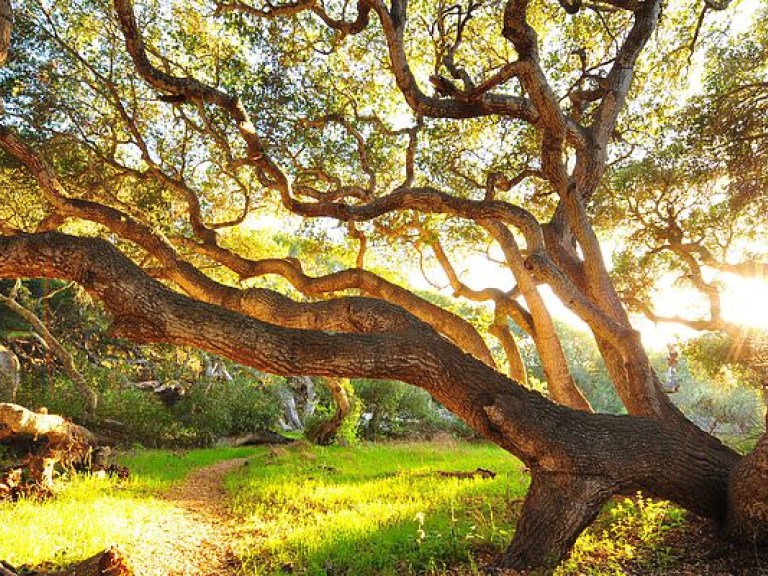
(206, 412)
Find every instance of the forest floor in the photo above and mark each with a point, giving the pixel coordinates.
(195, 536)
(369, 510)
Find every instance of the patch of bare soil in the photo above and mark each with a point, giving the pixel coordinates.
(195, 537)
(699, 551)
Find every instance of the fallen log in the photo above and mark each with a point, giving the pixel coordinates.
(63, 443)
(110, 562)
(481, 472)
(254, 439)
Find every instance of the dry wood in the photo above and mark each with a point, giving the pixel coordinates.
(481, 472)
(110, 562)
(66, 442)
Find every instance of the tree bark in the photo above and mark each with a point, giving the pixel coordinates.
(748, 496)
(624, 454)
(327, 430)
(556, 510)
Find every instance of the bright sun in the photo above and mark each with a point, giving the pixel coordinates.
(745, 301)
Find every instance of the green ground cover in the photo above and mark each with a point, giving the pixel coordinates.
(90, 514)
(367, 510)
(384, 509)
(374, 509)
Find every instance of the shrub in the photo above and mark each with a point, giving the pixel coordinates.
(56, 393)
(398, 410)
(142, 418)
(216, 409)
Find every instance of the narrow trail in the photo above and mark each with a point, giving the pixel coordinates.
(194, 535)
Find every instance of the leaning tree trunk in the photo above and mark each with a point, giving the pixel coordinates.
(65, 442)
(591, 455)
(328, 429)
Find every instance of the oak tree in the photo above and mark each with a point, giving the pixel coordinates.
(141, 137)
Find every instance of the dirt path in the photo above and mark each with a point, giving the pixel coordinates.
(194, 536)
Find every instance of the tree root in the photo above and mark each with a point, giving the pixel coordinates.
(110, 562)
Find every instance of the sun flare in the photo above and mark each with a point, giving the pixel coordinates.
(745, 301)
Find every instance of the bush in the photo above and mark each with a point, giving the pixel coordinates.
(209, 410)
(56, 393)
(140, 417)
(216, 409)
(400, 411)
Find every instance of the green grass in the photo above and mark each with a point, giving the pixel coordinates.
(89, 514)
(629, 532)
(374, 509)
(369, 510)
(154, 471)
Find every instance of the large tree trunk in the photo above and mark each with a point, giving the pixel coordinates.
(593, 455)
(748, 496)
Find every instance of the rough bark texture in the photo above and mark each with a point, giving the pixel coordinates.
(577, 460)
(748, 496)
(620, 454)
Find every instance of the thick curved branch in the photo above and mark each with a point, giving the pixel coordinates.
(551, 439)
(620, 76)
(452, 326)
(560, 382)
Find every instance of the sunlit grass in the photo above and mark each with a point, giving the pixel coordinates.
(630, 531)
(89, 514)
(365, 510)
(374, 509)
(155, 471)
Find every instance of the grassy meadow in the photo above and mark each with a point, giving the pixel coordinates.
(372, 509)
